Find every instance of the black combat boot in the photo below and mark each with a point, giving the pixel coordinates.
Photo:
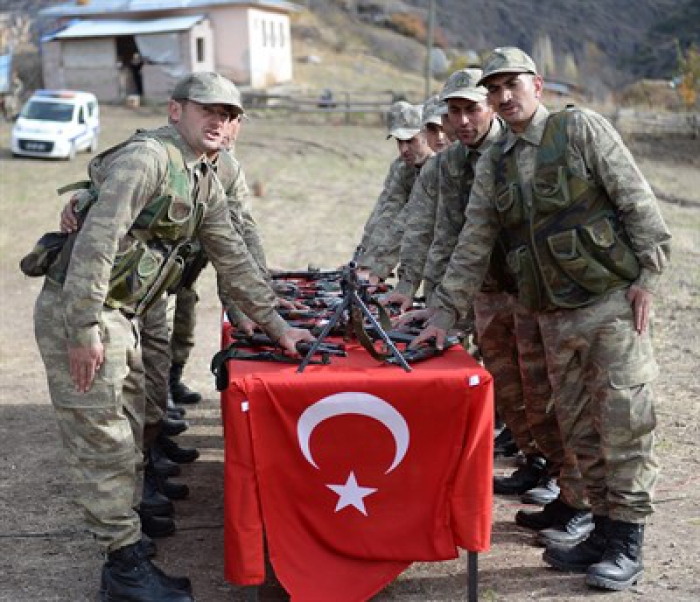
(504, 444)
(554, 513)
(129, 576)
(171, 450)
(148, 546)
(157, 526)
(547, 490)
(177, 412)
(171, 427)
(182, 583)
(578, 558)
(171, 491)
(162, 465)
(621, 565)
(570, 533)
(179, 391)
(522, 479)
(153, 502)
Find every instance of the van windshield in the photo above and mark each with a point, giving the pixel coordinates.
(48, 111)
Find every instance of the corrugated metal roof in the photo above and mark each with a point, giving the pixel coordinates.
(101, 7)
(87, 28)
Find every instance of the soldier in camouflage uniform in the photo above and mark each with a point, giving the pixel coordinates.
(151, 195)
(437, 208)
(182, 306)
(436, 135)
(404, 122)
(382, 254)
(587, 243)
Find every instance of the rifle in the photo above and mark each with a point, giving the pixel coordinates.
(300, 314)
(262, 340)
(307, 275)
(420, 354)
(219, 363)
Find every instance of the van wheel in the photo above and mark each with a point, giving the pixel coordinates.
(94, 143)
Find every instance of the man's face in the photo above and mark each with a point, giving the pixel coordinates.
(515, 96)
(415, 151)
(231, 132)
(202, 126)
(436, 137)
(450, 132)
(471, 120)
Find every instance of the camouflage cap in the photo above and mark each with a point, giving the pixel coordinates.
(433, 110)
(208, 88)
(464, 84)
(507, 60)
(404, 120)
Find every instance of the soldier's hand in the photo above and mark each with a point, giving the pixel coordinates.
(418, 314)
(246, 326)
(288, 341)
(428, 334)
(289, 304)
(84, 364)
(69, 220)
(641, 301)
(394, 298)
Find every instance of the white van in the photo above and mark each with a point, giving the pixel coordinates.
(57, 124)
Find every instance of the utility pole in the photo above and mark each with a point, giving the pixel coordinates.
(429, 48)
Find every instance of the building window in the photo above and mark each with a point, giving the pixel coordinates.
(273, 36)
(281, 34)
(264, 33)
(200, 50)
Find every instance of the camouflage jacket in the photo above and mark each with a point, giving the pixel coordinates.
(371, 222)
(232, 178)
(385, 224)
(436, 214)
(127, 180)
(595, 152)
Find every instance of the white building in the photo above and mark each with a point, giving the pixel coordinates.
(98, 45)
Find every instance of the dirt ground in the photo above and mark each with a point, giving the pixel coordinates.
(320, 182)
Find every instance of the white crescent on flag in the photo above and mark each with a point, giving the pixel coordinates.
(363, 404)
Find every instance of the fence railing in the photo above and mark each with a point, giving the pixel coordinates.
(327, 102)
(630, 121)
(626, 121)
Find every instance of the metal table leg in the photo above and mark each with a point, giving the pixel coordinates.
(473, 576)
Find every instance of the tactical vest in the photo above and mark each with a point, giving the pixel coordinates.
(498, 277)
(152, 255)
(568, 248)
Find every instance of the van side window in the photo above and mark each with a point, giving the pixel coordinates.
(91, 109)
(81, 115)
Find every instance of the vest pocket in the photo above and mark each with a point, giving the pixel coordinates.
(609, 249)
(521, 263)
(550, 190)
(134, 271)
(576, 264)
(509, 204)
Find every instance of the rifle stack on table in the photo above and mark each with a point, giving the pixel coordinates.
(337, 304)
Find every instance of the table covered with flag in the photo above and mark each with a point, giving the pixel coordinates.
(354, 470)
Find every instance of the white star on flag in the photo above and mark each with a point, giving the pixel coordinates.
(351, 494)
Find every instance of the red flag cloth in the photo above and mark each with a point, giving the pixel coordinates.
(355, 470)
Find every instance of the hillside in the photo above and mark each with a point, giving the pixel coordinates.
(606, 37)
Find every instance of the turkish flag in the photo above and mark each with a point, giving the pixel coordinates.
(361, 471)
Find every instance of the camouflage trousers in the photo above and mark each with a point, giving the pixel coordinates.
(101, 429)
(601, 369)
(495, 328)
(182, 315)
(539, 409)
(155, 350)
